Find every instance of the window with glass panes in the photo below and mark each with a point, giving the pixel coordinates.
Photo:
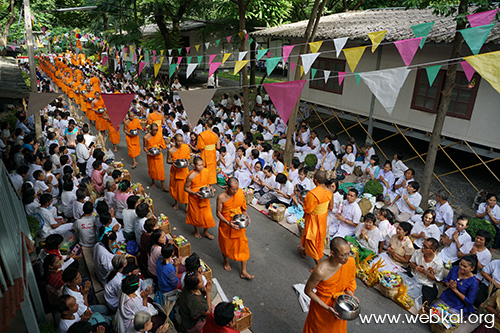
(332, 65)
(426, 98)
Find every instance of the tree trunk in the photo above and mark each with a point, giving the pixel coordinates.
(135, 13)
(8, 23)
(253, 66)
(316, 13)
(160, 22)
(105, 22)
(449, 84)
(242, 8)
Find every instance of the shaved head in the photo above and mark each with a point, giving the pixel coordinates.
(320, 176)
(154, 125)
(232, 181)
(337, 243)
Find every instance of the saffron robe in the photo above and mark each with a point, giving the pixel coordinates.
(199, 213)
(133, 142)
(114, 135)
(155, 118)
(234, 243)
(319, 319)
(207, 141)
(316, 214)
(90, 113)
(178, 176)
(101, 124)
(156, 168)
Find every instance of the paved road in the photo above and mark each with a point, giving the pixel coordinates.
(274, 261)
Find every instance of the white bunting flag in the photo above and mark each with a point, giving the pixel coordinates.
(207, 45)
(339, 44)
(242, 55)
(326, 74)
(190, 69)
(170, 52)
(170, 60)
(385, 85)
(308, 60)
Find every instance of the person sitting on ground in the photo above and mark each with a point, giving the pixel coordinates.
(130, 217)
(492, 306)
(193, 264)
(350, 216)
(222, 320)
(284, 191)
(404, 206)
(97, 176)
(490, 212)
(444, 212)
(52, 246)
(68, 196)
(226, 161)
(427, 268)
(277, 165)
(167, 269)
(195, 302)
(157, 241)
(453, 239)
(109, 191)
(400, 249)
(142, 211)
(78, 203)
(85, 226)
(402, 183)
(478, 247)
(398, 167)
(462, 286)
(425, 229)
(104, 252)
(143, 323)
(348, 160)
(113, 286)
(367, 234)
(150, 225)
(52, 268)
(40, 186)
(386, 226)
(123, 192)
(373, 167)
(50, 224)
(68, 307)
(386, 177)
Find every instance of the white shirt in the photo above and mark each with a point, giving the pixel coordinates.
(386, 231)
(40, 185)
(493, 270)
(139, 229)
(346, 167)
(129, 219)
(444, 214)
(67, 198)
(78, 297)
(436, 264)
(278, 167)
(229, 167)
(414, 200)
(17, 181)
(374, 238)
(449, 253)
(77, 209)
(351, 212)
(65, 324)
(260, 176)
(306, 183)
(82, 153)
(317, 146)
(240, 137)
(398, 168)
(430, 231)
(484, 257)
(113, 290)
(48, 220)
(231, 149)
(328, 161)
(495, 212)
(102, 262)
(287, 189)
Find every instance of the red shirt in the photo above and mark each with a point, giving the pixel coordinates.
(212, 327)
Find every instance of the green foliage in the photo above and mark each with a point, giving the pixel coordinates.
(311, 160)
(374, 188)
(47, 327)
(26, 78)
(254, 137)
(34, 225)
(476, 224)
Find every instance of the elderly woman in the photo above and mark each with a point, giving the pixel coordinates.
(113, 286)
(425, 229)
(462, 285)
(399, 251)
(195, 302)
(368, 235)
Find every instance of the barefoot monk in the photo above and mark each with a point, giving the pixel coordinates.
(154, 139)
(178, 176)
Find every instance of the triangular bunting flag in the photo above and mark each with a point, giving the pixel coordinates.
(156, 68)
(241, 55)
(315, 46)
(286, 52)
(13, 47)
(195, 102)
(228, 38)
(217, 42)
(141, 66)
(341, 76)
(179, 59)
(200, 58)
(432, 73)
(170, 59)
(104, 60)
(488, 66)
(39, 101)
(313, 73)
(213, 67)
(261, 52)
(475, 37)
(284, 96)
(407, 48)
(326, 75)
(190, 69)
(385, 85)
(197, 47)
(188, 48)
(308, 60)
(169, 52)
(225, 57)
(117, 106)
(241, 34)
(358, 78)
(161, 60)
(211, 58)
(163, 51)
(353, 56)
(239, 65)
(207, 45)
(468, 70)
(339, 44)
(376, 38)
(179, 50)
(482, 18)
(271, 64)
(171, 70)
(129, 64)
(188, 59)
(422, 30)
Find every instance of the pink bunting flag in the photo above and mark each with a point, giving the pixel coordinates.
(341, 77)
(43, 29)
(268, 54)
(246, 37)
(141, 66)
(286, 52)
(284, 96)
(179, 59)
(154, 59)
(482, 18)
(228, 38)
(117, 106)
(107, 49)
(135, 57)
(104, 60)
(468, 70)
(211, 58)
(13, 47)
(213, 67)
(125, 49)
(154, 53)
(102, 43)
(188, 48)
(292, 67)
(407, 48)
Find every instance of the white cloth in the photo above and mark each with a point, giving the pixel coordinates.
(414, 200)
(444, 214)
(228, 169)
(17, 181)
(139, 229)
(82, 153)
(484, 257)
(351, 212)
(449, 253)
(346, 167)
(307, 184)
(398, 168)
(77, 209)
(67, 199)
(49, 221)
(493, 270)
(78, 297)
(85, 226)
(65, 324)
(430, 231)
(278, 167)
(495, 212)
(436, 264)
(386, 231)
(327, 162)
(373, 238)
(287, 189)
(113, 290)
(102, 262)
(129, 220)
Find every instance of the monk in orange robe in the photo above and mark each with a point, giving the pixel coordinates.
(114, 135)
(101, 124)
(180, 150)
(89, 98)
(331, 278)
(133, 142)
(154, 139)
(315, 212)
(95, 83)
(208, 141)
(155, 116)
(233, 241)
(199, 212)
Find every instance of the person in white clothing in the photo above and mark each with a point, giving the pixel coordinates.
(398, 167)
(403, 207)
(337, 199)
(350, 216)
(348, 160)
(387, 228)
(453, 239)
(113, 286)
(130, 218)
(269, 129)
(367, 234)
(425, 229)
(328, 159)
(82, 154)
(490, 212)
(478, 248)
(85, 226)
(403, 182)
(257, 177)
(50, 224)
(226, 161)
(491, 274)
(68, 307)
(104, 252)
(284, 191)
(230, 147)
(278, 166)
(444, 212)
(241, 167)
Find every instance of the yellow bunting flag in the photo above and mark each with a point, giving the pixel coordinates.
(157, 68)
(241, 34)
(488, 66)
(353, 56)
(139, 59)
(197, 47)
(161, 60)
(224, 58)
(239, 65)
(315, 46)
(376, 38)
(161, 51)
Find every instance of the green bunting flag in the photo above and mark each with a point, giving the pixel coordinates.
(171, 72)
(271, 64)
(422, 30)
(313, 73)
(432, 73)
(475, 37)
(189, 59)
(250, 41)
(358, 78)
(180, 50)
(129, 64)
(200, 58)
(217, 42)
(261, 53)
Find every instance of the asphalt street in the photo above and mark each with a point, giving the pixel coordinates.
(274, 261)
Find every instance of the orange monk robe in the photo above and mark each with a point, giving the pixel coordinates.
(199, 212)
(155, 163)
(74, 88)
(114, 136)
(95, 83)
(90, 113)
(319, 319)
(207, 141)
(315, 213)
(155, 118)
(101, 124)
(178, 176)
(233, 243)
(133, 142)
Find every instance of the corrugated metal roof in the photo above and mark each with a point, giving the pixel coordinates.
(356, 25)
(12, 84)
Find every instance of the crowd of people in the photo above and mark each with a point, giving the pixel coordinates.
(67, 180)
